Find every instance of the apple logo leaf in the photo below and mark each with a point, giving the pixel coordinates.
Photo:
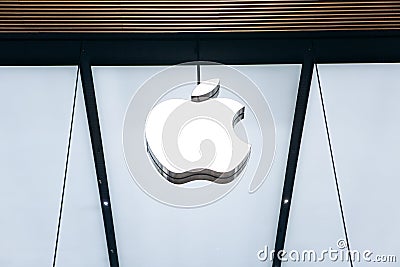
(206, 90)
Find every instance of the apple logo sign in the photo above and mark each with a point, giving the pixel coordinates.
(185, 144)
(194, 139)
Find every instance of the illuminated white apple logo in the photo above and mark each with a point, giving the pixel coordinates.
(195, 140)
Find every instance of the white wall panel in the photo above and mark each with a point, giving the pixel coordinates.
(35, 108)
(228, 232)
(82, 237)
(362, 105)
(362, 111)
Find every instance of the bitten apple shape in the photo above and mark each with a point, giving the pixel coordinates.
(195, 140)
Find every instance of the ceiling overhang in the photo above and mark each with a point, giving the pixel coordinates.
(196, 16)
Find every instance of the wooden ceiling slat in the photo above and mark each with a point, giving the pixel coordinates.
(194, 22)
(196, 16)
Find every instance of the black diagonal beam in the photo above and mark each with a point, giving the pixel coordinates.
(98, 155)
(294, 148)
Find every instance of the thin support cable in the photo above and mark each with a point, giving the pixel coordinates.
(198, 72)
(334, 166)
(198, 62)
(66, 168)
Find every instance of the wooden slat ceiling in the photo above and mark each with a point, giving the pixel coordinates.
(133, 16)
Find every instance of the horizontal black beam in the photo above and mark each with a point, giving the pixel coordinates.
(212, 35)
(170, 49)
